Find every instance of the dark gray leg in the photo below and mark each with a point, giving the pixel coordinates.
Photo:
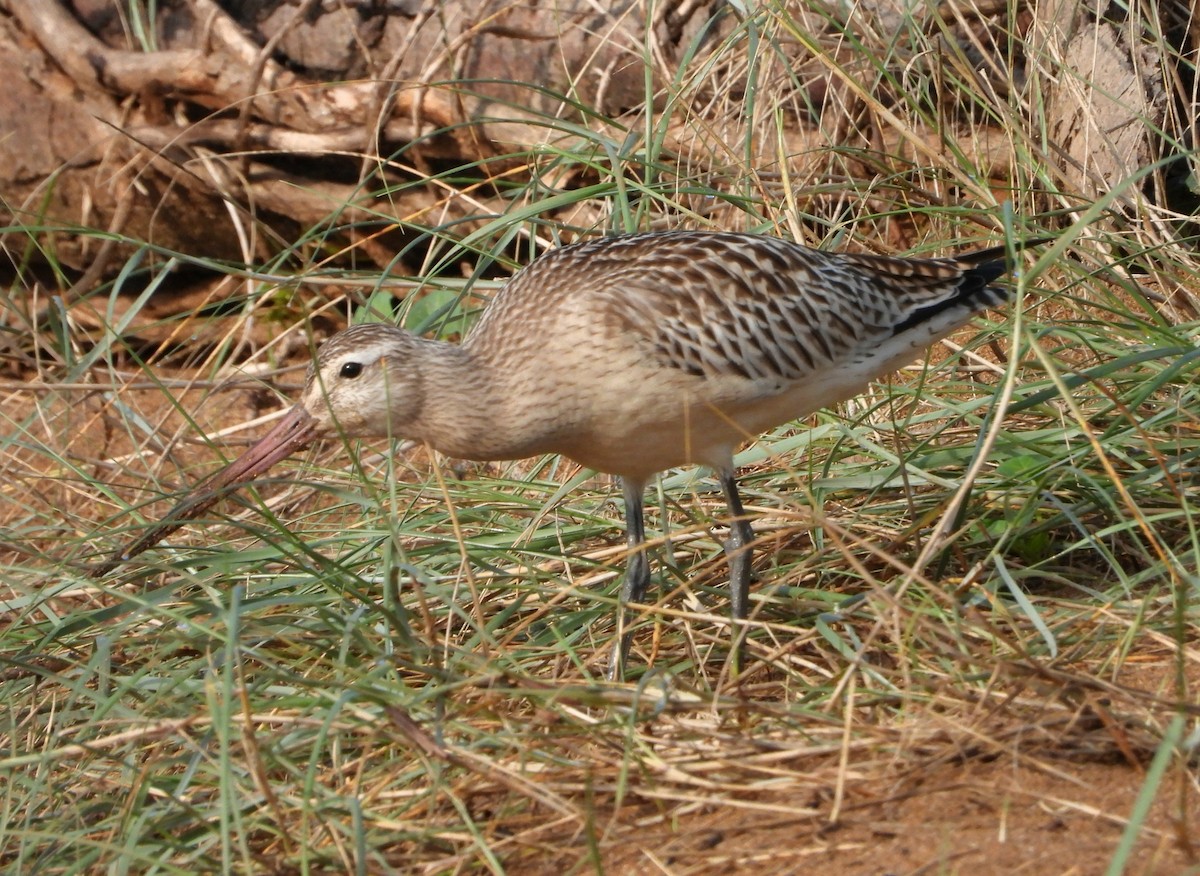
(738, 552)
(637, 574)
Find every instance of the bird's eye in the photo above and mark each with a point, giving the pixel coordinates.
(350, 370)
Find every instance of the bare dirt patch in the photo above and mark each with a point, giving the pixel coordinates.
(999, 816)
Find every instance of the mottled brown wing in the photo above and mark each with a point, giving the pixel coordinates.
(716, 304)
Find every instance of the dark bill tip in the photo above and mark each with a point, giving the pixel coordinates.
(295, 431)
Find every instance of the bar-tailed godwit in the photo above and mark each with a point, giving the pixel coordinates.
(632, 355)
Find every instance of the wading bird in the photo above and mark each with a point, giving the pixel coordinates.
(631, 355)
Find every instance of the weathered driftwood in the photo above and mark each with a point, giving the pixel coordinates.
(268, 116)
(1106, 102)
(231, 129)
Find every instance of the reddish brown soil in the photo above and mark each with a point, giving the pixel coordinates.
(999, 817)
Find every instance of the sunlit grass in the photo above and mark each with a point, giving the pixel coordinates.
(381, 661)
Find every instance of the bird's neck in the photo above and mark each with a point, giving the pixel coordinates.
(464, 403)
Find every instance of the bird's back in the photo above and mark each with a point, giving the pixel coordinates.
(641, 352)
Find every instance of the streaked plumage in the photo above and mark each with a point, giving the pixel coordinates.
(632, 355)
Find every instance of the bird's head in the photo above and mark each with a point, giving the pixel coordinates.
(362, 384)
